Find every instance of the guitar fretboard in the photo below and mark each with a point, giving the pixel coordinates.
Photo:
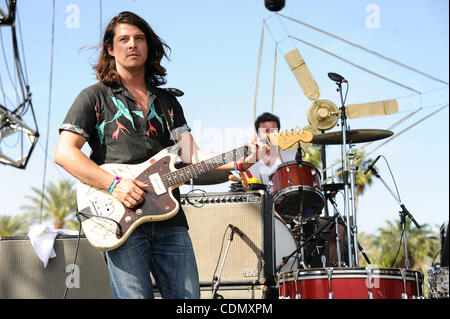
(194, 170)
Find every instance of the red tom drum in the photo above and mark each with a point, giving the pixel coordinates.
(351, 283)
(297, 190)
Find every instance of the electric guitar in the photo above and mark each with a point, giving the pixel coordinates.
(107, 223)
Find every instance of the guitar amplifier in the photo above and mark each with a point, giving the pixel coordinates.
(247, 258)
(22, 273)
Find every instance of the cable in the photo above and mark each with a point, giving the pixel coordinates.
(356, 65)
(399, 246)
(365, 49)
(346, 92)
(74, 260)
(395, 184)
(6, 66)
(258, 69)
(49, 105)
(194, 204)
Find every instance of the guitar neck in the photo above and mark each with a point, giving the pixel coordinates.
(186, 173)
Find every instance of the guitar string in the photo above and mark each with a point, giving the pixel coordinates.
(180, 174)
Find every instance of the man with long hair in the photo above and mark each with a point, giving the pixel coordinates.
(126, 119)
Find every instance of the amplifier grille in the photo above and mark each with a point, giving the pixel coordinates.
(249, 257)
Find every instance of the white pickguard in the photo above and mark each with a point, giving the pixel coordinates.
(101, 232)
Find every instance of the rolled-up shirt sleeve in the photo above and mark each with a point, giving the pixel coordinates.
(82, 115)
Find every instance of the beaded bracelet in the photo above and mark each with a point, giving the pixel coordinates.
(116, 180)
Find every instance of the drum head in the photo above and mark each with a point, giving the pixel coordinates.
(299, 200)
(284, 246)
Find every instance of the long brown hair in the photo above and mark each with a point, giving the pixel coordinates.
(155, 73)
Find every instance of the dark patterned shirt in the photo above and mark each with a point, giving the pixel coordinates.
(117, 131)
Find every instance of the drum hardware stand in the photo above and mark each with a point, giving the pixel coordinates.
(326, 257)
(324, 172)
(353, 225)
(302, 247)
(298, 221)
(348, 214)
(215, 295)
(403, 213)
(299, 160)
(339, 216)
(286, 258)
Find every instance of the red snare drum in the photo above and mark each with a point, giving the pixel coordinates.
(297, 190)
(351, 283)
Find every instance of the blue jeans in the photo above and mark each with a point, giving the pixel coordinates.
(166, 252)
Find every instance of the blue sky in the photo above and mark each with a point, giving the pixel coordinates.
(214, 60)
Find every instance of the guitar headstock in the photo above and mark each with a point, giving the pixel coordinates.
(286, 139)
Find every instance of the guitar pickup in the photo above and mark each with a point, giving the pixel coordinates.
(158, 184)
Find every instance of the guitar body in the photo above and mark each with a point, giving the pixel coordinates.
(104, 232)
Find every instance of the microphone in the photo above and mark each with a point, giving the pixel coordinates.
(336, 77)
(372, 165)
(236, 229)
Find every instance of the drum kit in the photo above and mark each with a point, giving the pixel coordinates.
(318, 257)
(299, 198)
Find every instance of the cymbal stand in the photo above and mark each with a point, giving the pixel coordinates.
(299, 218)
(323, 157)
(347, 213)
(353, 224)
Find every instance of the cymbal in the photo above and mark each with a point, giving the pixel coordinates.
(208, 178)
(355, 136)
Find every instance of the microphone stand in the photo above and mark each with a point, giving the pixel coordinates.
(348, 214)
(215, 295)
(403, 213)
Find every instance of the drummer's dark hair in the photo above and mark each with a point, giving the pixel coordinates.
(266, 117)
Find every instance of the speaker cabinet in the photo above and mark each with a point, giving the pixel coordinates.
(22, 273)
(248, 257)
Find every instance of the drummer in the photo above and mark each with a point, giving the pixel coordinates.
(265, 124)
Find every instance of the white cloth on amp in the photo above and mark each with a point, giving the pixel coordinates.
(42, 238)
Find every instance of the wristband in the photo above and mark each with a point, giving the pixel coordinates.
(116, 180)
(238, 167)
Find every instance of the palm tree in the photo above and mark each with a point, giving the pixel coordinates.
(58, 202)
(13, 225)
(387, 247)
